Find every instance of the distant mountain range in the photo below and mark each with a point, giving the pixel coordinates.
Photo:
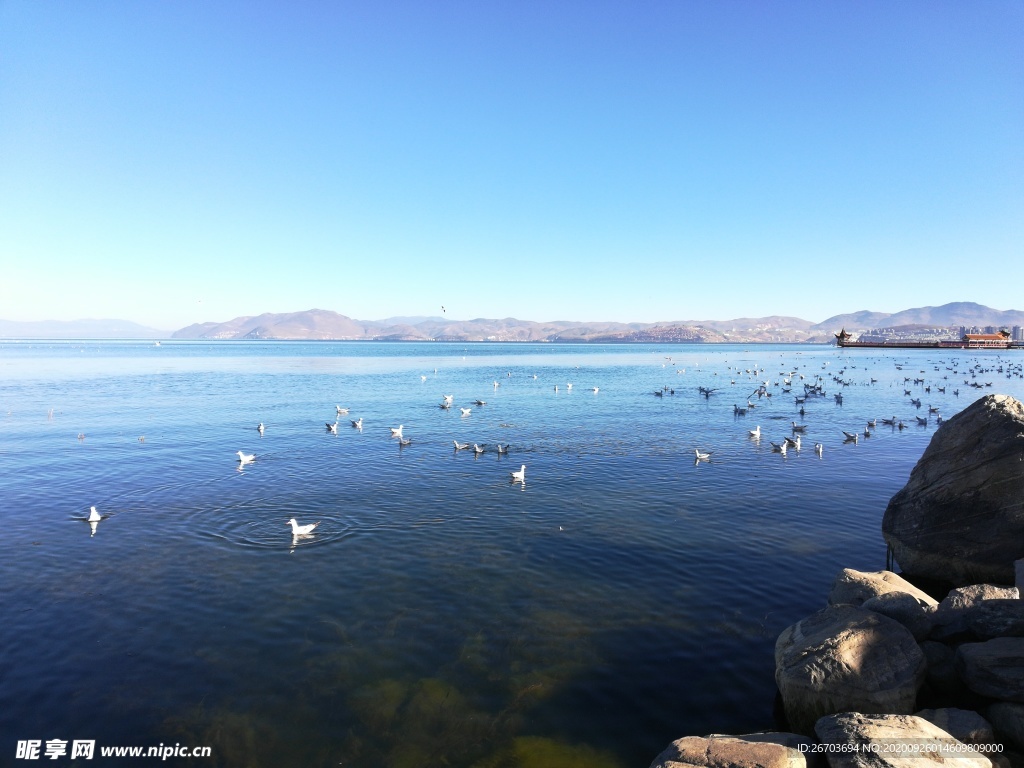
(78, 329)
(325, 324)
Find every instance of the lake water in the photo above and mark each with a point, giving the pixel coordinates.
(441, 615)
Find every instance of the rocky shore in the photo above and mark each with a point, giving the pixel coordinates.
(927, 664)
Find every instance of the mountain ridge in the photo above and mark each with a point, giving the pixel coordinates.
(327, 324)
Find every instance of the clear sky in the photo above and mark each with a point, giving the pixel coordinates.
(174, 162)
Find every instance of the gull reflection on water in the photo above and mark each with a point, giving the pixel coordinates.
(298, 538)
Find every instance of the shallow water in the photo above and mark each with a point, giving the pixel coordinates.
(621, 597)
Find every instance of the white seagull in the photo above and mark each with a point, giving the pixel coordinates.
(260, 428)
(448, 399)
(779, 448)
(818, 448)
(358, 423)
(595, 390)
(477, 448)
(341, 411)
(520, 476)
(397, 432)
(245, 458)
(460, 446)
(404, 441)
(302, 530)
(755, 432)
(502, 448)
(701, 456)
(94, 516)
(466, 411)
(332, 428)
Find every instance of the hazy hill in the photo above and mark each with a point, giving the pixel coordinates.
(953, 314)
(324, 324)
(311, 324)
(78, 329)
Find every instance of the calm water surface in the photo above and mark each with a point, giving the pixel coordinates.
(440, 616)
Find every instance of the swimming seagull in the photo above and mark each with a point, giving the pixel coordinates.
(701, 456)
(332, 428)
(818, 448)
(792, 443)
(260, 428)
(341, 411)
(94, 516)
(460, 446)
(466, 411)
(799, 427)
(520, 476)
(595, 389)
(245, 458)
(477, 448)
(302, 530)
(502, 448)
(397, 432)
(851, 437)
(756, 432)
(448, 399)
(358, 423)
(779, 448)
(404, 441)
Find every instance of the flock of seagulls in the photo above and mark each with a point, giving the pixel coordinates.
(306, 530)
(814, 387)
(791, 382)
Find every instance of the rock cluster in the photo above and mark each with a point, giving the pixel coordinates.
(885, 672)
(856, 673)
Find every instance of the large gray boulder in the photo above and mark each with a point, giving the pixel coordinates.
(845, 658)
(906, 609)
(960, 517)
(965, 725)
(1008, 720)
(958, 609)
(757, 750)
(888, 741)
(998, 618)
(856, 587)
(994, 668)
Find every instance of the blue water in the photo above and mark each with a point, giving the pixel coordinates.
(621, 597)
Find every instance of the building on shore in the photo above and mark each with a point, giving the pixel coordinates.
(996, 340)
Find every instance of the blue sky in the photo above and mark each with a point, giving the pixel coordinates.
(175, 162)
